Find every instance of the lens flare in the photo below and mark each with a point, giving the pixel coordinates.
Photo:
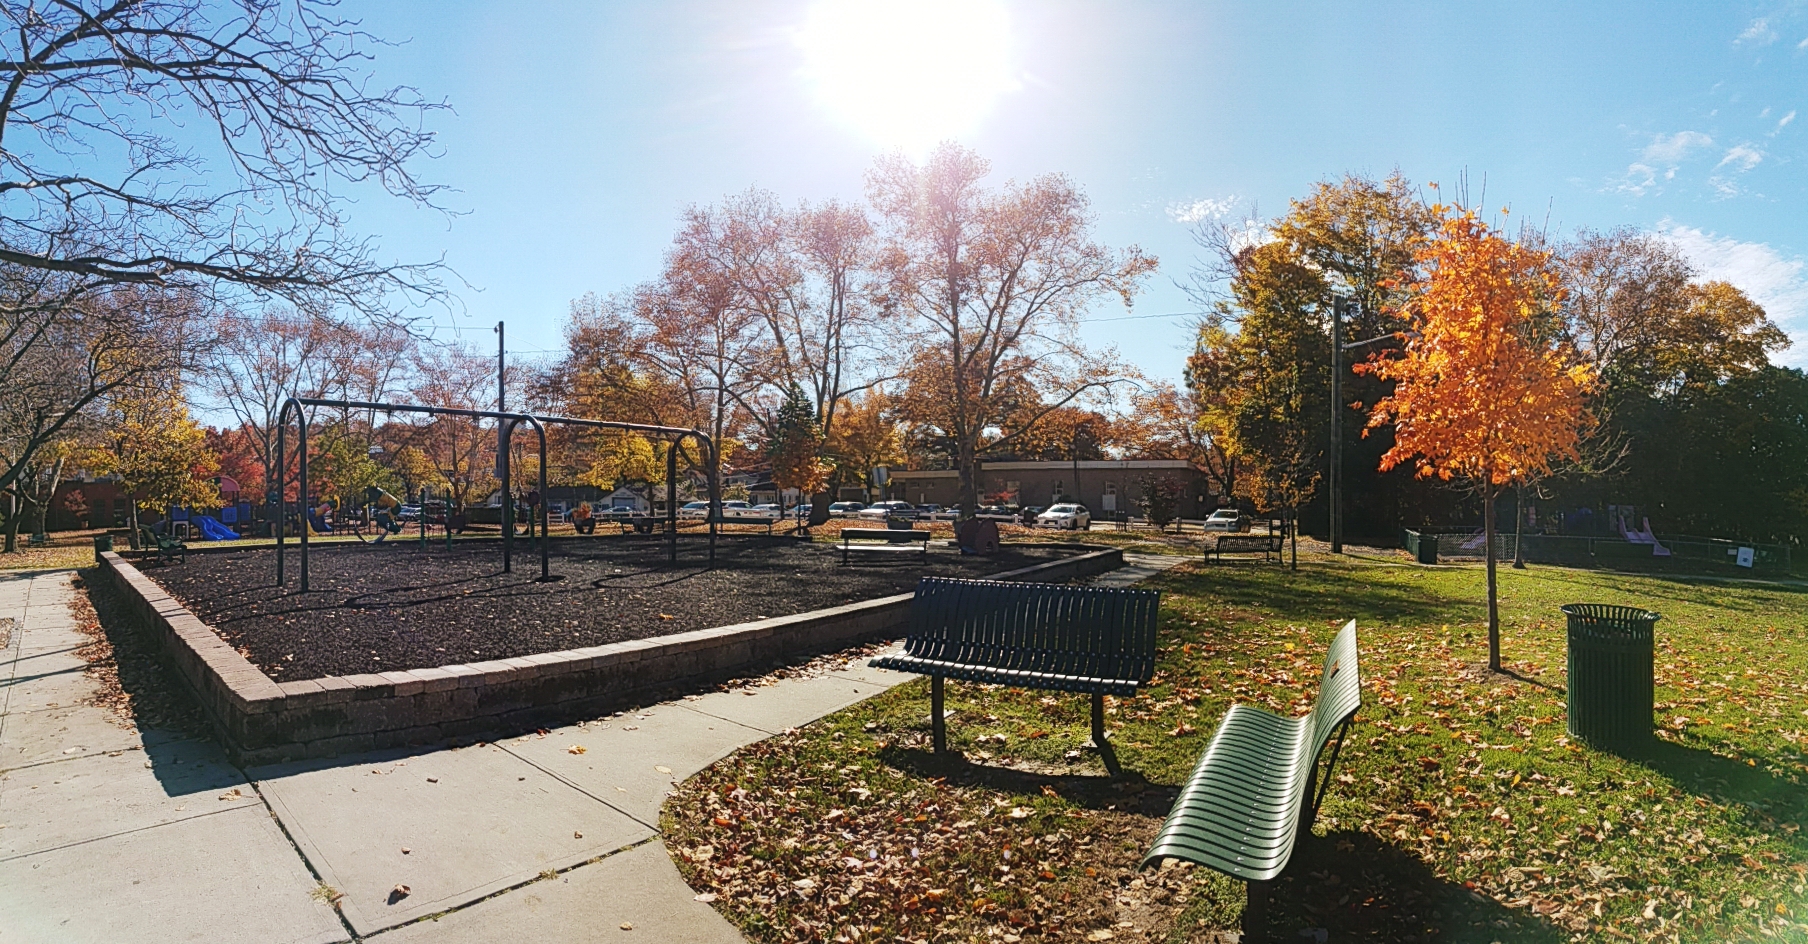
(908, 74)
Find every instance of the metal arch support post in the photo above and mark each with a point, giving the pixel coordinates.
(505, 439)
(297, 403)
(671, 502)
(705, 445)
(282, 483)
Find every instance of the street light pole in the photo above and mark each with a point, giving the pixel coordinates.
(1336, 477)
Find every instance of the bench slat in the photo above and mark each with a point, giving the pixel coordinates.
(1243, 807)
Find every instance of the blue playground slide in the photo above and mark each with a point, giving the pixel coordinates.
(213, 530)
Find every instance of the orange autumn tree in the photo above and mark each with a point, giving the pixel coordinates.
(1486, 392)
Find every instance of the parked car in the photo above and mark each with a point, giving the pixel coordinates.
(1227, 519)
(694, 511)
(880, 511)
(1069, 517)
(408, 513)
(801, 512)
(996, 513)
(1027, 514)
(845, 509)
(937, 513)
(770, 510)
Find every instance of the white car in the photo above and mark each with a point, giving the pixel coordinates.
(1228, 520)
(694, 511)
(845, 509)
(879, 511)
(1069, 517)
(937, 513)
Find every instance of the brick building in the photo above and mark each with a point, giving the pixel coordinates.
(1104, 486)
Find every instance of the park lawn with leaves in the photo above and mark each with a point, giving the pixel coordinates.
(1460, 810)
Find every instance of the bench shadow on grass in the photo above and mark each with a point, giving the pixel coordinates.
(1348, 884)
(1354, 887)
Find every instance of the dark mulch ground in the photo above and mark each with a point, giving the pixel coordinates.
(376, 608)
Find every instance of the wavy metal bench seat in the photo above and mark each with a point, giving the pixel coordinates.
(1257, 787)
(1092, 640)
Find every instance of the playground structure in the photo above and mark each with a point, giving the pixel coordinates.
(507, 422)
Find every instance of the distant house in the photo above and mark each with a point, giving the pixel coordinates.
(1102, 485)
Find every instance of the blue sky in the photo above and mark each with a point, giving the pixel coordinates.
(582, 130)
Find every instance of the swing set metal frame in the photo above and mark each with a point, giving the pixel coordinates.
(508, 420)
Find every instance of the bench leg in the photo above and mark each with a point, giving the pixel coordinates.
(1315, 787)
(1099, 742)
(1255, 912)
(937, 724)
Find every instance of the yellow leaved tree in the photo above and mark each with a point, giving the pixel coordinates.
(1486, 391)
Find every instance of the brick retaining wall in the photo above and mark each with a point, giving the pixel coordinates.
(261, 720)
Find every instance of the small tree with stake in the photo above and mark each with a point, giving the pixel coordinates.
(1485, 391)
(795, 448)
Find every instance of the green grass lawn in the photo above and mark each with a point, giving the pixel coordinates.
(1461, 810)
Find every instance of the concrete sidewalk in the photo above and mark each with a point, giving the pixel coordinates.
(109, 833)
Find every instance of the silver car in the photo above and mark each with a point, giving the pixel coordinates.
(1067, 516)
(1228, 520)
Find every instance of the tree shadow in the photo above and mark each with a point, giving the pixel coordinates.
(1351, 886)
(1321, 593)
(178, 737)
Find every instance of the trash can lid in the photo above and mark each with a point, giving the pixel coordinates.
(1609, 612)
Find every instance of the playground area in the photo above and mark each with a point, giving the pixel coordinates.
(377, 608)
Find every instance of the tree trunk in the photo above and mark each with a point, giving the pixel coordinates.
(1293, 533)
(969, 481)
(56, 478)
(12, 523)
(132, 521)
(1519, 527)
(1489, 494)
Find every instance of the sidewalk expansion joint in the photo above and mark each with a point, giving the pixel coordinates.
(123, 832)
(283, 827)
(554, 775)
(542, 877)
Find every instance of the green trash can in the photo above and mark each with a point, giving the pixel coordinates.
(1428, 549)
(102, 542)
(1611, 676)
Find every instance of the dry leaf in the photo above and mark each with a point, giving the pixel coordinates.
(663, 770)
(705, 897)
(1020, 812)
(1100, 935)
(804, 883)
(576, 749)
(667, 616)
(433, 780)
(405, 850)
(400, 891)
(627, 925)
(576, 835)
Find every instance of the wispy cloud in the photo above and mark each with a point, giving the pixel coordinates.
(1738, 159)
(1674, 148)
(1197, 211)
(1742, 157)
(1777, 282)
(1660, 158)
(1783, 122)
(1758, 33)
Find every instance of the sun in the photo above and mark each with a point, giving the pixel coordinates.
(908, 73)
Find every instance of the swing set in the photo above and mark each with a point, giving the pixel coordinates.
(507, 421)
